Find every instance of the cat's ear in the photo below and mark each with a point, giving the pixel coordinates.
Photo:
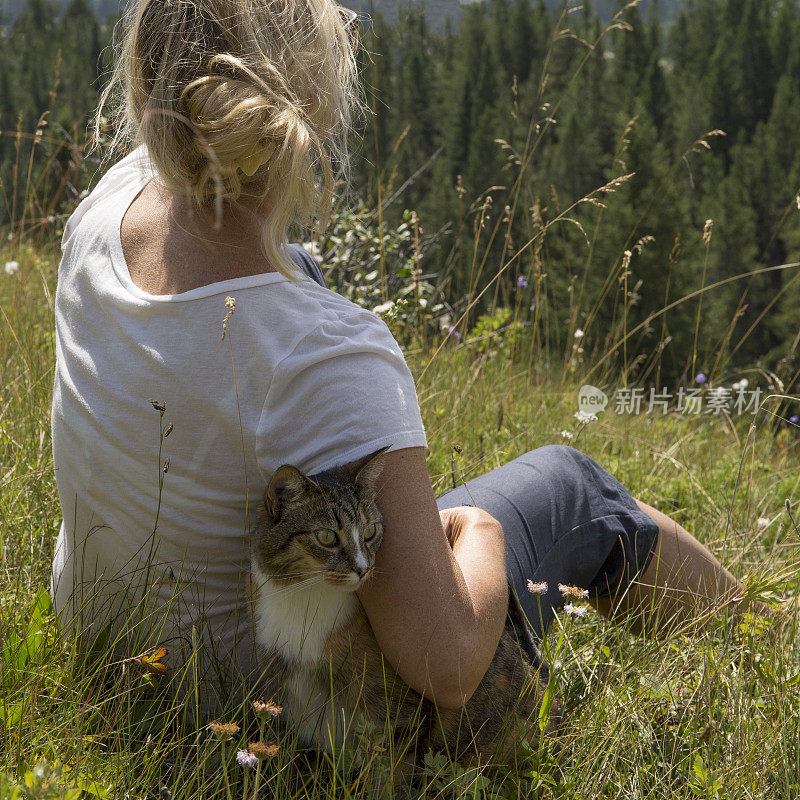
(286, 485)
(366, 470)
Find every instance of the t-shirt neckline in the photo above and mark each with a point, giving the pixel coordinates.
(120, 265)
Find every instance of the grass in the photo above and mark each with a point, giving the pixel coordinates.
(709, 714)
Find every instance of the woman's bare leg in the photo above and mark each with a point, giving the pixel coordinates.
(682, 583)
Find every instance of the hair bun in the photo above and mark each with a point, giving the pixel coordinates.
(235, 95)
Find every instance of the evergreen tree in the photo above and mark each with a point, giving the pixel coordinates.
(34, 43)
(371, 145)
(79, 39)
(413, 108)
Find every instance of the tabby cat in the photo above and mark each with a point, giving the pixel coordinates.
(315, 544)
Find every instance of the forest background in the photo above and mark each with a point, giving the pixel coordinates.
(702, 114)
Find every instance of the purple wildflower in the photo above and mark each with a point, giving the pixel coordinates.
(522, 283)
(454, 333)
(795, 420)
(701, 379)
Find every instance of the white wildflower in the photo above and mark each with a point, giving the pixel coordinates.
(246, 758)
(537, 588)
(578, 334)
(585, 418)
(763, 522)
(568, 435)
(741, 385)
(312, 248)
(383, 308)
(12, 267)
(576, 611)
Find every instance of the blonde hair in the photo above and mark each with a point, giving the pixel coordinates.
(238, 98)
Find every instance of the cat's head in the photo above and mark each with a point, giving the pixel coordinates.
(326, 528)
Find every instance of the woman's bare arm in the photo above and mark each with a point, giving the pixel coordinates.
(437, 611)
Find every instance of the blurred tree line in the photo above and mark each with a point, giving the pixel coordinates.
(501, 133)
(704, 115)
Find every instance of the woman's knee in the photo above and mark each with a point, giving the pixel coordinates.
(558, 462)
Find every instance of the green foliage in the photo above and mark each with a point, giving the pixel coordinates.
(377, 268)
(44, 782)
(637, 711)
(497, 333)
(526, 113)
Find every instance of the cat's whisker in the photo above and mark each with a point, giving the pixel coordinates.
(301, 574)
(292, 587)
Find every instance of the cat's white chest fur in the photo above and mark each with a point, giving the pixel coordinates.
(295, 621)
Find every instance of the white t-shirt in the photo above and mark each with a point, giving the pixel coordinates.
(318, 382)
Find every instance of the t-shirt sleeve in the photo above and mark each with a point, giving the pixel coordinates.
(344, 391)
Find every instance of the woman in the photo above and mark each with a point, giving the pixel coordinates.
(165, 435)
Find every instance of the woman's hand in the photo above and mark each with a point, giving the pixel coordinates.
(438, 597)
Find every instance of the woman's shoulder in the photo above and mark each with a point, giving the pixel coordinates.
(334, 322)
(342, 391)
(135, 167)
(319, 310)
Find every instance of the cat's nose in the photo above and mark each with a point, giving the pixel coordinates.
(361, 566)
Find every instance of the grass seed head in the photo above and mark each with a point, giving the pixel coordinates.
(262, 751)
(223, 730)
(573, 591)
(268, 709)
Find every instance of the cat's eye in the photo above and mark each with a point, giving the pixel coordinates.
(326, 537)
(370, 531)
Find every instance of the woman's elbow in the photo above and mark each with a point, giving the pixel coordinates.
(452, 695)
(452, 685)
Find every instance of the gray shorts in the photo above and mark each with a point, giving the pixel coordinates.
(566, 520)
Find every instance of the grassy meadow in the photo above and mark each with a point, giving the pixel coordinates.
(709, 713)
(709, 709)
